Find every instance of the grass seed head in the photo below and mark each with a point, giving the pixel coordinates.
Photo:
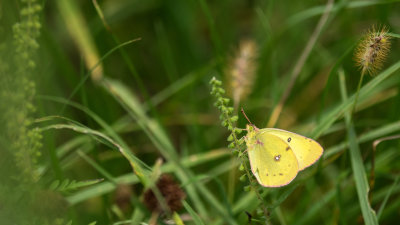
(241, 70)
(372, 50)
(170, 190)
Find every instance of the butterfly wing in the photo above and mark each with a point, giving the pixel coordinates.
(271, 162)
(307, 150)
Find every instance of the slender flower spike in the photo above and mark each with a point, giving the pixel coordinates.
(241, 71)
(372, 50)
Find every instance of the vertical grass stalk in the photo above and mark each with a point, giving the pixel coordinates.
(357, 164)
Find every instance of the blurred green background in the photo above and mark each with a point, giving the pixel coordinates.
(123, 83)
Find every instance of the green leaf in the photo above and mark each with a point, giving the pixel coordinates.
(67, 186)
(387, 197)
(196, 218)
(346, 105)
(357, 164)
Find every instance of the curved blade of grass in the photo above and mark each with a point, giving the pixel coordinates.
(109, 130)
(77, 28)
(357, 164)
(387, 197)
(336, 67)
(158, 137)
(142, 175)
(383, 159)
(137, 112)
(86, 76)
(367, 100)
(360, 177)
(346, 105)
(155, 100)
(193, 214)
(106, 187)
(73, 122)
(318, 10)
(393, 207)
(369, 136)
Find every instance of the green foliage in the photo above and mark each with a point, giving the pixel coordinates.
(227, 118)
(148, 104)
(17, 91)
(25, 34)
(66, 186)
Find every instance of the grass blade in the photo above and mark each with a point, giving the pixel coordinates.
(357, 164)
(387, 197)
(158, 137)
(133, 161)
(346, 105)
(193, 214)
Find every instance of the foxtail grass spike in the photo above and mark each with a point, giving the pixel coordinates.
(372, 50)
(370, 54)
(241, 71)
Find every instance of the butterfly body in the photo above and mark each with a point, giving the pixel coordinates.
(276, 156)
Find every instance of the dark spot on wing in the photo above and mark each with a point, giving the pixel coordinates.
(274, 175)
(267, 174)
(280, 174)
(289, 139)
(287, 148)
(277, 157)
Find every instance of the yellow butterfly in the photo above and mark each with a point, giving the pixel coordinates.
(276, 156)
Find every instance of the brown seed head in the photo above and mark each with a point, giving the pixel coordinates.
(171, 192)
(372, 50)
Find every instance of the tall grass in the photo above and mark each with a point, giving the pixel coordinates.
(121, 97)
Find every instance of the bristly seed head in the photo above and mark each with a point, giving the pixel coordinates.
(372, 50)
(170, 190)
(241, 71)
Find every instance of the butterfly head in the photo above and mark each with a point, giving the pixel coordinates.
(251, 128)
(251, 132)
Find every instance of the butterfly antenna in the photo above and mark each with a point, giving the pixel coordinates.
(244, 114)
